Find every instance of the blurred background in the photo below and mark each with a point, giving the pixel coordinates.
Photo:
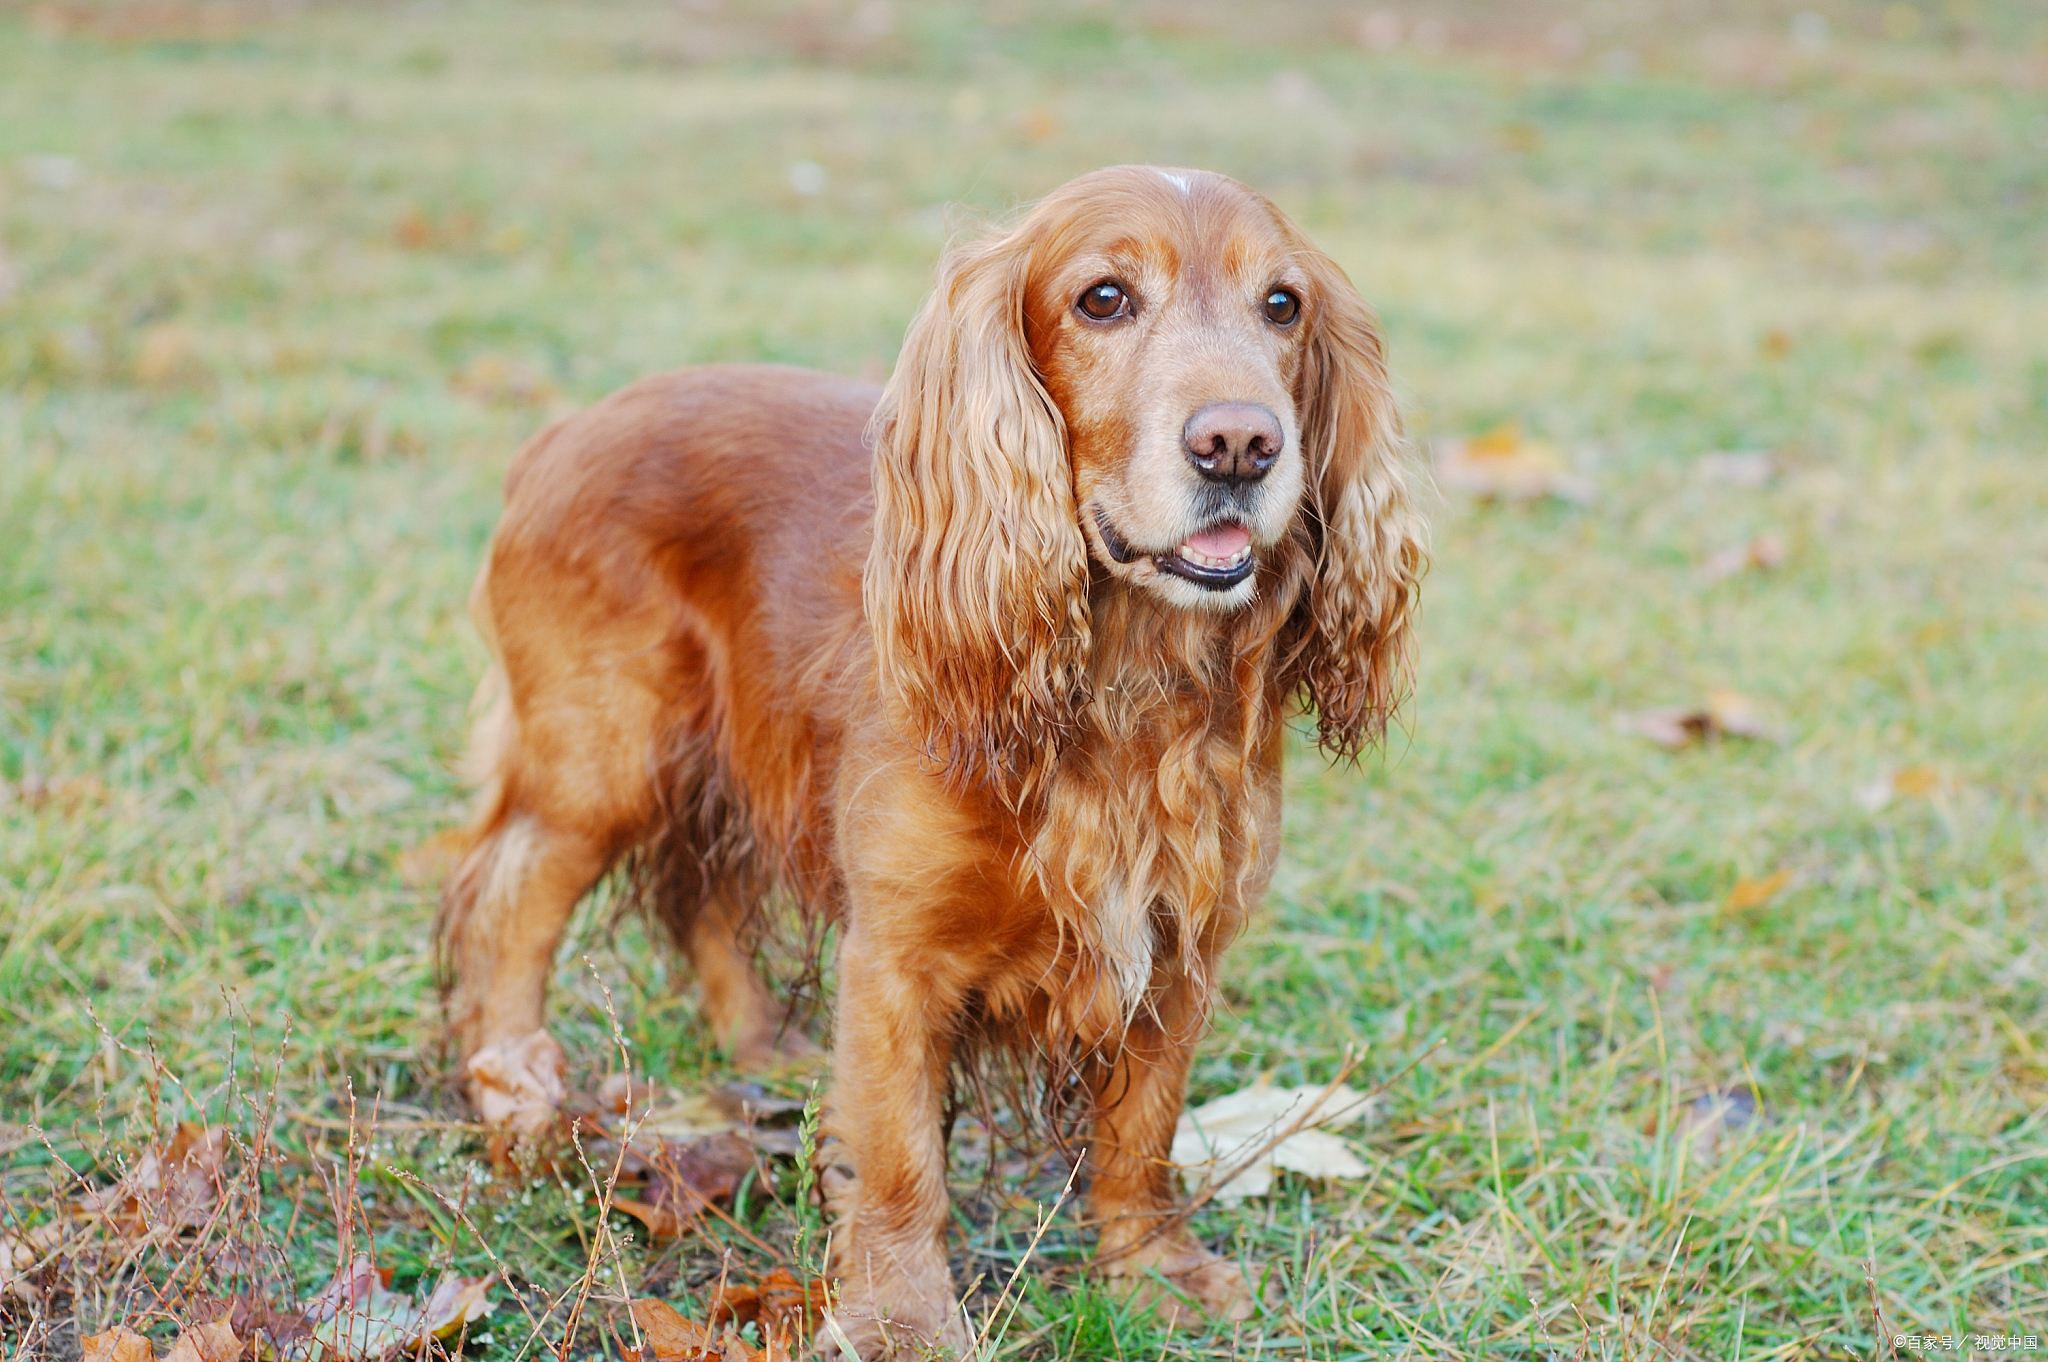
(1712, 848)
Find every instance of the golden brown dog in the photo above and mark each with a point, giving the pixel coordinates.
(992, 667)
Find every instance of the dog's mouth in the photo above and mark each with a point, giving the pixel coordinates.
(1216, 558)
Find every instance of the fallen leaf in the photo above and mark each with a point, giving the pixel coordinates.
(415, 232)
(21, 1251)
(177, 1187)
(669, 1337)
(118, 1344)
(1765, 553)
(1748, 894)
(1217, 1136)
(1726, 714)
(1703, 1120)
(686, 1177)
(215, 1342)
(1913, 782)
(1736, 467)
(357, 1316)
(1501, 464)
(1916, 780)
(777, 1302)
(455, 1302)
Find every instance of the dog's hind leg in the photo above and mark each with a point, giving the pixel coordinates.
(503, 914)
(564, 790)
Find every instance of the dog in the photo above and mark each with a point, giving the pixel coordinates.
(993, 667)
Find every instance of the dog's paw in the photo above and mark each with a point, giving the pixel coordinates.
(517, 1084)
(855, 1333)
(1168, 1281)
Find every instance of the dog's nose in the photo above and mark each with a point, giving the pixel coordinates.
(1232, 442)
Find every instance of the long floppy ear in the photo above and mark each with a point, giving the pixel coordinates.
(1354, 655)
(977, 582)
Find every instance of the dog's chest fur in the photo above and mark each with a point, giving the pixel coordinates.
(1157, 833)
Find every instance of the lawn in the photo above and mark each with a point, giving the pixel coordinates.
(1711, 1052)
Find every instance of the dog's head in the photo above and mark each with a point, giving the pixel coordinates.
(1155, 373)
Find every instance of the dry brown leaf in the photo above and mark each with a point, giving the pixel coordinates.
(414, 230)
(1500, 463)
(686, 1177)
(778, 1303)
(669, 1337)
(215, 1342)
(22, 1250)
(1726, 714)
(118, 1344)
(177, 1187)
(1765, 553)
(1748, 893)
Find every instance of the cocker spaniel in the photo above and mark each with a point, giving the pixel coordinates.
(992, 667)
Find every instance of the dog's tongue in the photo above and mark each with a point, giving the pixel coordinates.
(1220, 541)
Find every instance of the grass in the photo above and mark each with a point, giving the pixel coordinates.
(283, 287)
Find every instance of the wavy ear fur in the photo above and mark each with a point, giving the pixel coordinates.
(977, 582)
(1353, 652)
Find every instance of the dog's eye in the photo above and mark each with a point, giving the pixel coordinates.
(1282, 307)
(1105, 301)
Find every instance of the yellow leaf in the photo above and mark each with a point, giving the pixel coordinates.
(118, 1344)
(1748, 894)
(1916, 780)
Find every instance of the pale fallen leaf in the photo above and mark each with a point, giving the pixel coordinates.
(1726, 714)
(1765, 553)
(21, 1251)
(1703, 1119)
(177, 1187)
(1501, 463)
(1737, 467)
(1913, 782)
(1214, 1138)
(358, 1317)
(118, 1344)
(215, 1342)
(519, 1082)
(1748, 893)
(688, 1118)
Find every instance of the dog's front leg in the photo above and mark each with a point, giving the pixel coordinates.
(1145, 1242)
(892, 1049)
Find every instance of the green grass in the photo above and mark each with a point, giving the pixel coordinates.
(309, 275)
